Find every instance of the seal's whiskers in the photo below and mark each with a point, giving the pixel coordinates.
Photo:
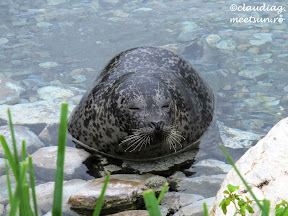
(173, 138)
(136, 141)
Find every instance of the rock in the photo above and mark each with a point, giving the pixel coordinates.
(202, 185)
(32, 142)
(195, 208)
(120, 195)
(214, 164)
(212, 39)
(45, 193)
(257, 42)
(2, 166)
(177, 200)
(44, 162)
(10, 91)
(4, 196)
(39, 112)
(267, 37)
(188, 31)
(56, 2)
(235, 138)
(3, 41)
(55, 92)
(49, 135)
(226, 45)
(1, 209)
(131, 213)
(143, 9)
(48, 64)
(264, 167)
(43, 25)
(152, 181)
(163, 166)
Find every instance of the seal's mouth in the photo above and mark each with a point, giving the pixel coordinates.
(143, 137)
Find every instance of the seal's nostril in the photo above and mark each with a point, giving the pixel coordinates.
(156, 125)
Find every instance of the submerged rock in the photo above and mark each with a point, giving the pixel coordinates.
(236, 138)
(10, 91)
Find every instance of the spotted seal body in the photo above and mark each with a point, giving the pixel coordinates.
(147, 103)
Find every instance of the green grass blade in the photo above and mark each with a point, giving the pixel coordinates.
(18, 194)
(8, 154)
(101, 198)
(59, 177)
(16, 156)
(15, 205)
(26, 201)
(266, 206)
(205, 209)
(21, 192)
(151, 203)
(264, 213)
(162, 193)
(9, 183)
(23, 151)
(32, 183)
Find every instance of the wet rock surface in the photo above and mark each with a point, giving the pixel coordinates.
(120, 195)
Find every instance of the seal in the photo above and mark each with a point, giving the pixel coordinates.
(147, 103)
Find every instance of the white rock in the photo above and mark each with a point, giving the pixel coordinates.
(32, 142)
(44, 162)
(264, 167)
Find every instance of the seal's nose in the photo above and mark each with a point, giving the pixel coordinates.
(157, 126)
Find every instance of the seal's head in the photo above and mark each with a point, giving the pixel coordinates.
(148, 114)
